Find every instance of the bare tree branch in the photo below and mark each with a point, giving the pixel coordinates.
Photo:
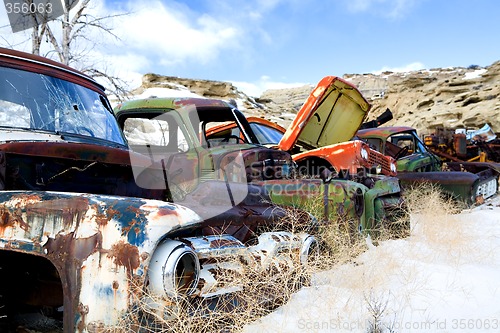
(117, 84)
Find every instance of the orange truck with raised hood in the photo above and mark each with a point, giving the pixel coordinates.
(319, 137)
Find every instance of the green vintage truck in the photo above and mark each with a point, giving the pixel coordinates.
(178, 131)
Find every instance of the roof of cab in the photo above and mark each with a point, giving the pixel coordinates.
(37, 64)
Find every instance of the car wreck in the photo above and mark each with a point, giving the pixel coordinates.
(319, 138)
(83, 240)
(464, 145)
(468, 182)
(269, 168)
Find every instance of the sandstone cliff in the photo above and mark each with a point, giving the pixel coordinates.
(450, 97)
(455, 97)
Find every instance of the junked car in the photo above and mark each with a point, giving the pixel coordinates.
(269, 168)
(90, 230)
(319, 138)
(467, 182)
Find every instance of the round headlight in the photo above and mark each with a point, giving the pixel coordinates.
(364, 153)
(378, 169)
(393, 167)
(174, 269)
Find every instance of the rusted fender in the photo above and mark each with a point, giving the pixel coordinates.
(339, 199)
(98, 244)
(384, 195)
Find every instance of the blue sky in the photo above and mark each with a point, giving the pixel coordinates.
(261, 44)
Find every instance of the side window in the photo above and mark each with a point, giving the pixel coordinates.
(140, 131)
(265, 134)
(228, 134)
(404, 141)
(375, 144)
(160, 134)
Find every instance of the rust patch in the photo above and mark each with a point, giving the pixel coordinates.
(68, 208)
(63, 247)
(27, 198)
(67, 254)
(112, 213)
(100, 218)
(160, 211)
(137, 211)
(9, 219)
(83, 310)
(131, 224)
(125, 255)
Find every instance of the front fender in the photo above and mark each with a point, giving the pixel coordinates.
(459, 185)
(386, 193)
(338, 199)
(99, 245)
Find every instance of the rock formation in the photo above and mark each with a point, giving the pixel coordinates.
(450, 97)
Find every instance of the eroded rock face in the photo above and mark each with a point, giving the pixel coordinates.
(454, 98)
(449, 97)
(205, 88)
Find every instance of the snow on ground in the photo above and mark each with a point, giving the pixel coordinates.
(445, 277)
(166, 92)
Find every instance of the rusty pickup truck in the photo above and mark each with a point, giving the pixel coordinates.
(83, 241)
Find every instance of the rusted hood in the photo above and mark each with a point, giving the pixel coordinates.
(31, 218)
(383, 132)
(332, 113)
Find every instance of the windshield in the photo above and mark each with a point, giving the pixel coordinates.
(266, 134)
(41, 102)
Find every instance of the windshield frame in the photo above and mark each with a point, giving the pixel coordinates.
(47, 98)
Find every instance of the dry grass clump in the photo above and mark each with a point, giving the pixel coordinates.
(433, 214)
(257, 291)
(427, 198)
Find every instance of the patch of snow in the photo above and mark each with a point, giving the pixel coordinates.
(240, 104)
(475, 74)
(443, 278)
(166, 92)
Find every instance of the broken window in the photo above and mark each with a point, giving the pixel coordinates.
(162, 132)
(44, 103)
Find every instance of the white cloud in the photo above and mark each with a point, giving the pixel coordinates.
(173, 35)
(167, 33)
(388, 8)
(415, 66)
(255, 89)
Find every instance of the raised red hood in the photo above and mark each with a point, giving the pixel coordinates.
(332, 113)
